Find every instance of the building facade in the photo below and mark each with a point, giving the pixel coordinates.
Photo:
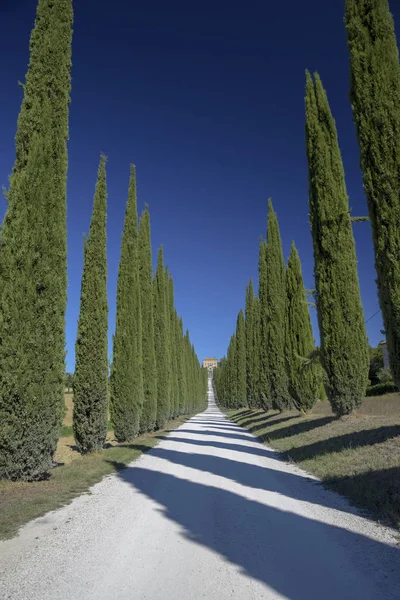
(210, 363)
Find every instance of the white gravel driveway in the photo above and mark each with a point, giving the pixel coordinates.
(208, 513)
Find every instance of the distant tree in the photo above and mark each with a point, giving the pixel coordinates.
(263, 379)
(33, 256)
(375, 364)
(69, 381)
(250, 350)
(126, 398)
(241, 398)
(275, 315)
(91, 349)
(174, 398)
(344, 348)
(149, 412)
(161, 342)
(304, 381)
(375, 99)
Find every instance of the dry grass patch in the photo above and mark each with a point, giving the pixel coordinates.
(21, 502)
(358, 456)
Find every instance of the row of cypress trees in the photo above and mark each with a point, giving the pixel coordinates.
(144, 393)
(155, 373)
(375, 99)
(264, 367)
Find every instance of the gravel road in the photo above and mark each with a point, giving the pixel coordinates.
(208, 513)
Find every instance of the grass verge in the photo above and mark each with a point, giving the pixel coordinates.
(357, 456)
(21, 502)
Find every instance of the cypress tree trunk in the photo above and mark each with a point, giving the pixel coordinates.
(126, 399)
(263, 379)
(249, 330)
(375, 98)
(33, 258)
(241, 360)
(91, 368)
(344, 345)
(275, 315)
(304, 381)
(149, 412)
(161, 343)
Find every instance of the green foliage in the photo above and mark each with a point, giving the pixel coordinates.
(69, 380)
(384, 376)
(33, 267)
(174, 398)
(304, 382)
(380, 389)
(256, 353)
(375, 364)
(126, 399)
(340, 314)
(161, 343)
(375, 99)
(263, 380)
(91, 349)
(241, 397)
(149, 412)
(251, 349)
(275, 316)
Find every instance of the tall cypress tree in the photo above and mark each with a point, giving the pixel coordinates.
(174, 354)
(340, 314)
(375, 99)
(241, 360)
(126, 399)
(149, 412)
(182, 369)
(249, 330)
(91, 351)
(169, 345)
(33, 265)
(275, 317)
(161, 342)
(256, 353)
(304, 381)
(263, 380)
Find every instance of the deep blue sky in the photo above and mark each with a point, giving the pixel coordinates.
(207, 100)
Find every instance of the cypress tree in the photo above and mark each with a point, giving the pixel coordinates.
(91, 351)
(149, 412)
(263, 380)
(169, 344)
(375, 99)
(33, 258)
(174, 398)
(344, 345)
(232, 391)
(249, 330)
(304, 382)
(256, 354)
(275, 315)
(182, 370)
(241, 360)
(126, 398)
(161, 342)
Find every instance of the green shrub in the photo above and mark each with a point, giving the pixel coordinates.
(382, 388)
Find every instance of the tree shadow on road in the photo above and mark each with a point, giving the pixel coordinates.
(237, 436)
(298, 557)
(261, 450)
(355, 439)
